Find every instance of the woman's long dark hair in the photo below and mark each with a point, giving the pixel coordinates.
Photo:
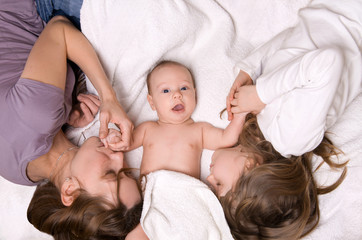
(89, 217)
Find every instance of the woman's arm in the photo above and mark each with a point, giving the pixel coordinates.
(47, 63)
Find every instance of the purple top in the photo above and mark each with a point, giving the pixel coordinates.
(31, 112)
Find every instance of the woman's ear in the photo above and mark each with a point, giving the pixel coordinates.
(68, 192)
(150, 101)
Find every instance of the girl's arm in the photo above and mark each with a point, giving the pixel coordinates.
(251, 67)
(47, 63)
(214, 138)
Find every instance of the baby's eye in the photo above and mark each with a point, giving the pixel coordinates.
(183, 88)
(165, 91)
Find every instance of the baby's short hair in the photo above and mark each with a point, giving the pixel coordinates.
(164, 63)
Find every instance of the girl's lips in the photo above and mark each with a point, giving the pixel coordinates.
(178, 107)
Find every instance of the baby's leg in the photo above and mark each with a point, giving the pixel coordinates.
(300, 121)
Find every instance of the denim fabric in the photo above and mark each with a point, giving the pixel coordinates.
(69, 8)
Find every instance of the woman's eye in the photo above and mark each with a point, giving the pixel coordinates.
(183, 88)
(165, 91)
(111, 173)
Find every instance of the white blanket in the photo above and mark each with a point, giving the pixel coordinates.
(130, 36)
(170, 198)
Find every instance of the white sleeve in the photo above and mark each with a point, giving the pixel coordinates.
(254, 63)
(296, 121)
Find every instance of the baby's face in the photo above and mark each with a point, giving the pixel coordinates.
(172, 93)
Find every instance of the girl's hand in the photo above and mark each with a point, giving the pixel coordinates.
(111, 111)
(83, 113)
(242, 79)
(246, 99)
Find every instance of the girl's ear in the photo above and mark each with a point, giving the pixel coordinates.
(150, 101)
(68, 192)
(251, 163)
(248, 163)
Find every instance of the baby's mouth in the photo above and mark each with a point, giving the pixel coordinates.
(178, 107)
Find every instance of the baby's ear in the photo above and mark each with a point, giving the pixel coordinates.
(195, 95)
(69, 191)
(150, 101)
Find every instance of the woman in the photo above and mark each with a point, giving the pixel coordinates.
(303, 80)
(36, 87)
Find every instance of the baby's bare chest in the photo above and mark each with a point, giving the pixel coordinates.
(186, 138)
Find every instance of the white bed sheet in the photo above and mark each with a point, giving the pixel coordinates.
(252, 23)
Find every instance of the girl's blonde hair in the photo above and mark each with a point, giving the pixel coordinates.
(279, 198)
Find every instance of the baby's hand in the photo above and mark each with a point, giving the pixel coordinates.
(241, 80)
(246, 99)
(112, 139)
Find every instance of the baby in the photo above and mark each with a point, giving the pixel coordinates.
(175, 142)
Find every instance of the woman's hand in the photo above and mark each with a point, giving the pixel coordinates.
(242, 79)
(246, 99)
(111, 111)
(83, 112)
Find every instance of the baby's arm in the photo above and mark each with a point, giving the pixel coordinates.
(214, 137)
(113, 138)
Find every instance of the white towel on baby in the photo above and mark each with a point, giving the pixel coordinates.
(179, 207)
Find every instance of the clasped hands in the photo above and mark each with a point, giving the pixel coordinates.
(243, 97)
(110, 112)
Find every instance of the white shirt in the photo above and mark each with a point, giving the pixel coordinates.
(308, 74)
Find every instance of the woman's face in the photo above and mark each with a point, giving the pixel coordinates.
(227, 165)
(95, 167)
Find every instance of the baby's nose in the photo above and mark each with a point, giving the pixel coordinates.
(177, 94)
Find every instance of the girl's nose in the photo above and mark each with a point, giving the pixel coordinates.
(210, 179)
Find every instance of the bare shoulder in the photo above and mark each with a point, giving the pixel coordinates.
(203, 125)
(147, 124)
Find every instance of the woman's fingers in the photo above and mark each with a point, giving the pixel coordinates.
(91, 101)
(103, 128)
(87, 113)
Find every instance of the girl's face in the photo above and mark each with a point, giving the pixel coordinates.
(227, 166)
(95, 167)
(172, 93)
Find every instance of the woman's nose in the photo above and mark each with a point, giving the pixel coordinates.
(117, 158)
